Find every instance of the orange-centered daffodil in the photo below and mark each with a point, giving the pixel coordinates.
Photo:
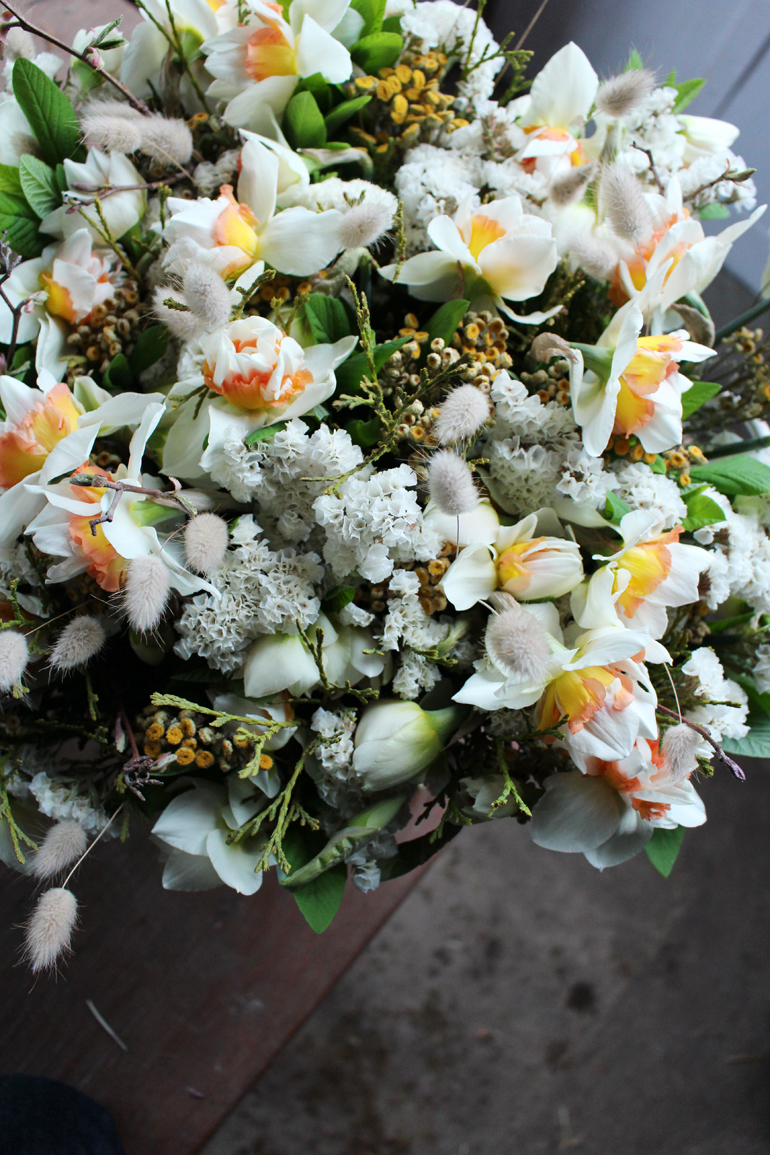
(23, 450)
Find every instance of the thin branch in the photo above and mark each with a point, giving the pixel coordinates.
(134, 101)
(162, 496)
(110, 190)
(648, 153)
(530, 26)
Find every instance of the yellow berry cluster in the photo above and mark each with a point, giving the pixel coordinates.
(194, 742)
(680, 460)
(551, 384)
(432, 597)
(483, 338)
(409, 99)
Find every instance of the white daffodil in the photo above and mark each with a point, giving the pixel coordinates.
(278, 662)
(49, 431)
(552, 116)
(496, 251)
(257, 64)
(528, 560)
(99, 172)
(633, 384)
(256, 375)
(650, 572)
(611, 809)
(63, 528)
(395, 741)
(62, 286)
(678, 244)
(235, 234)
(193, 830)
(705, 136)
(144, 58)
(596, 682)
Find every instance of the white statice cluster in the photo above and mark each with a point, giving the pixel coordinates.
(740, 557)
(408, 630)
(375, 523)
(331, 765)
(725, 706)
(58, 799)
(257, 591)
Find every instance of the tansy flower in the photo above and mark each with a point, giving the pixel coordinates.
(609, 809)
(493, 252)
(650, 572)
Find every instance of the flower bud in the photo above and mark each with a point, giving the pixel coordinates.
(394, 741)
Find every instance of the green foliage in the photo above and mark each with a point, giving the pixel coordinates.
(687, 90)
(697, 395)
(326, 318)
(151, 345)
(118, 374)
(337, 599)
(380, 50)
(634, 61)
(343, 112)
(392, 24)
(658, 465)
(351, 372)
(51, 116)
(756, 744)
(22, 224)
(363, 433)
(740, 475)
(714, 212)
(265, 433)
(303, 122)
(10, 180)
(372, 12)
(445, 321)
(663, 849)
(320, 899)
(615, 508)
(701, 510)
(39, 185)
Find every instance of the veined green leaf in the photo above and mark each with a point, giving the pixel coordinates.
(38, 182)
(663, 849)
(303, 122)
(150, 346)
(264, 433)
(734, 476)
(698, 394)
(337, 599)
(756, 744)
(372, 11)
(10, 180)
(380, 50)
(714, 212)
(337, 117)
(23, 226)
(634, 61)
(445, 321)
(701, 511)
(51, 116)
(687, 90)
(615, 508)
(364, 433)
(327, 319)
(351, 372)
(320, 899)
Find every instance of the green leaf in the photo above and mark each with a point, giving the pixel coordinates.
(372, 11)
(687, 90)
(663, 849)
(22, 224)
(392, 24)
(10, 180)
(320, 899)
(264, 433)
(740, 475)
(150, 346)
(759, 703)
(714, 212)
(365, 434)
(445, 321)
(343, 112)
(51, 116)
(658, 465)
(38, 182)
(337, 599)
(634, 61)
(756, 744)
(699, 393)
(670, 81)
(615, 508)
(327, 319)
(303, 122)
(351, 372)
(118, 374)
(380, 50)
(701, 510)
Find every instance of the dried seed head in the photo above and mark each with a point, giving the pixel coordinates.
(566, 189)
(181, 322)
(450, 483)
(78, 642)
(164, 139)
(461, 416)
(112, 125)
(518, 644)
(49, 930)
(622, 202)
(595, 256)
(679, 748)
(146, 592)
(205, 542)
(622, 94)
(14, 655)
(548, 345)
(364, 224)
(64, 844)
(207, 295)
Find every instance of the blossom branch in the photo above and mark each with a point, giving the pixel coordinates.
(22, 22)
(161, 496)
(731, 765)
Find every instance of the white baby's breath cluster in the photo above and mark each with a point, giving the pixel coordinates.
(348, 449)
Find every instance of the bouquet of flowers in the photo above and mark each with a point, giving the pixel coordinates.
(368, 454)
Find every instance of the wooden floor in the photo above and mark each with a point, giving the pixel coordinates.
(203, 989)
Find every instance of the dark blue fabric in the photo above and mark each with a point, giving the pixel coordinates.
(42, 1117)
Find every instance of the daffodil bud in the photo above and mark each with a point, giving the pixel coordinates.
(360, 830)
(396, 740)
